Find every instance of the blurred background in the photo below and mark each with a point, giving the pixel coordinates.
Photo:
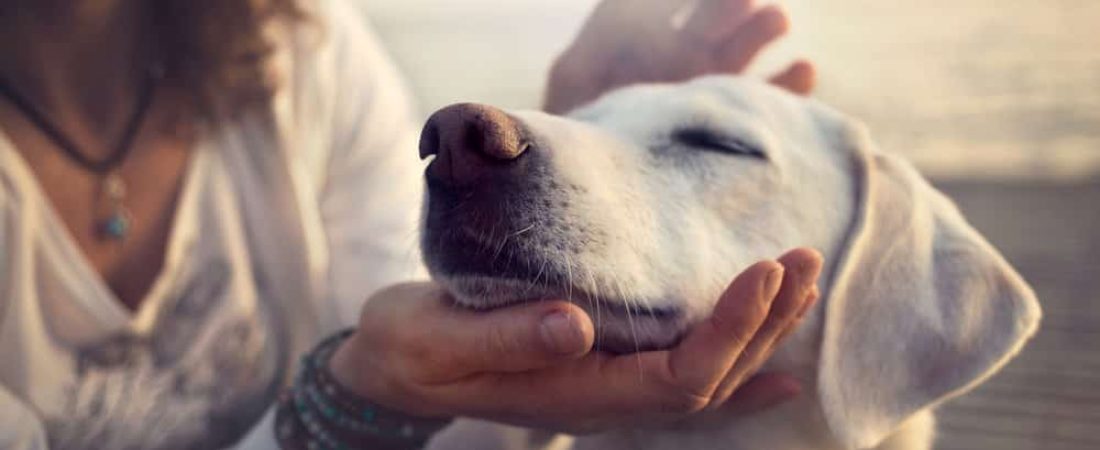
(997, 101)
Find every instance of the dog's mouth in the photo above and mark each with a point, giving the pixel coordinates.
(621, 326)
(488, 292)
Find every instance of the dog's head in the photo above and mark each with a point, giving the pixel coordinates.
(642, 207)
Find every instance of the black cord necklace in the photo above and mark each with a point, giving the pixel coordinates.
(117, 223)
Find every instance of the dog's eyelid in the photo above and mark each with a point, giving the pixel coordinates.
(707, 139)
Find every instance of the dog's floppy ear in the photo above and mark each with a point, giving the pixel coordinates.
(921, 308)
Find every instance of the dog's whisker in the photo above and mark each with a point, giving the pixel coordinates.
(500, 248)
(634, 335)
(533, 283)
(569, 277)
(524, 230)
(593, 297)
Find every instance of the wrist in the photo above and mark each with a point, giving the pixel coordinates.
(352, 372)
(343, 365)
(320, 410)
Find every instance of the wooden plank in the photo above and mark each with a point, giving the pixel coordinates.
(1049, 396)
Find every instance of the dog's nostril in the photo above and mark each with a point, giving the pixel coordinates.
(429, 140)
(474, 139)
(492, 133)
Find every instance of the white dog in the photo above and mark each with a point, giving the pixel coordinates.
(642, 206)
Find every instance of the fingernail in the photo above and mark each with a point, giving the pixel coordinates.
(772, 282)
(561, 334)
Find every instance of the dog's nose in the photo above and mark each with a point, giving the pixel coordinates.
(468, 140)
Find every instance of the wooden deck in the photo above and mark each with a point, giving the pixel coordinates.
(1049, 397)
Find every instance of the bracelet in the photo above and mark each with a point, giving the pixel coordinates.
(317, 412)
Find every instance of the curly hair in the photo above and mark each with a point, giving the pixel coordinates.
(219, 50)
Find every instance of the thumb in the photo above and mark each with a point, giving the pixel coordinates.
(517, 338)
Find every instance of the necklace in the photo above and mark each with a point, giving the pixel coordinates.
(116, 225)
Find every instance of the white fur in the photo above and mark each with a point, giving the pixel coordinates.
(917, 307)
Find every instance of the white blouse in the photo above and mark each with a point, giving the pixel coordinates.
(288, 220)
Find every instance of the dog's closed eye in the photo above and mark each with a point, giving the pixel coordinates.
(708, 140)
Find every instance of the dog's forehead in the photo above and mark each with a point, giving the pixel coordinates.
(744, 108)
(708, 102)
(790, 129)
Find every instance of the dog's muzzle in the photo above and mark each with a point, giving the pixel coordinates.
(499, 227)
(483, 184)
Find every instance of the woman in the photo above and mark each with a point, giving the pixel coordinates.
(193, 193)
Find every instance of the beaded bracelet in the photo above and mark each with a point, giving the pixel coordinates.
(319, 413)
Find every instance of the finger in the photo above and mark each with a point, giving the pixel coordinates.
(799, 78)
(802, 267)
(712, 21)
(762, 391)
(524, 337)
(614, 21)
(760, 29)
(616, 18)
(810, 302)
(712, 346)
(658, 9)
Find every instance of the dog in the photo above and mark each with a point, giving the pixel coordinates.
(641, 207)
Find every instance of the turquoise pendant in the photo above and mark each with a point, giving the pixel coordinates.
(116, 226)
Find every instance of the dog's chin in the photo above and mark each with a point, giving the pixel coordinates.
(620, 327)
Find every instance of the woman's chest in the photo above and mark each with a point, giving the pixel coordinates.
(119, 219)
(208, 341)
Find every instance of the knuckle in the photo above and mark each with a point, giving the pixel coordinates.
(779, 320)
(420, 359)
(755, 312)
(685, 401)
(751, 359)
(496, 341)
(681, 396)
(787, 306)
(424, 368)
(410, 365)
(792, 308)
(741, 341)
(739, 331)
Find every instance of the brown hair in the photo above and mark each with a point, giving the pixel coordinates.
(220, 49)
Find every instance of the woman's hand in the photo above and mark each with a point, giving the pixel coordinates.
(532, 364)
(636, 41)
